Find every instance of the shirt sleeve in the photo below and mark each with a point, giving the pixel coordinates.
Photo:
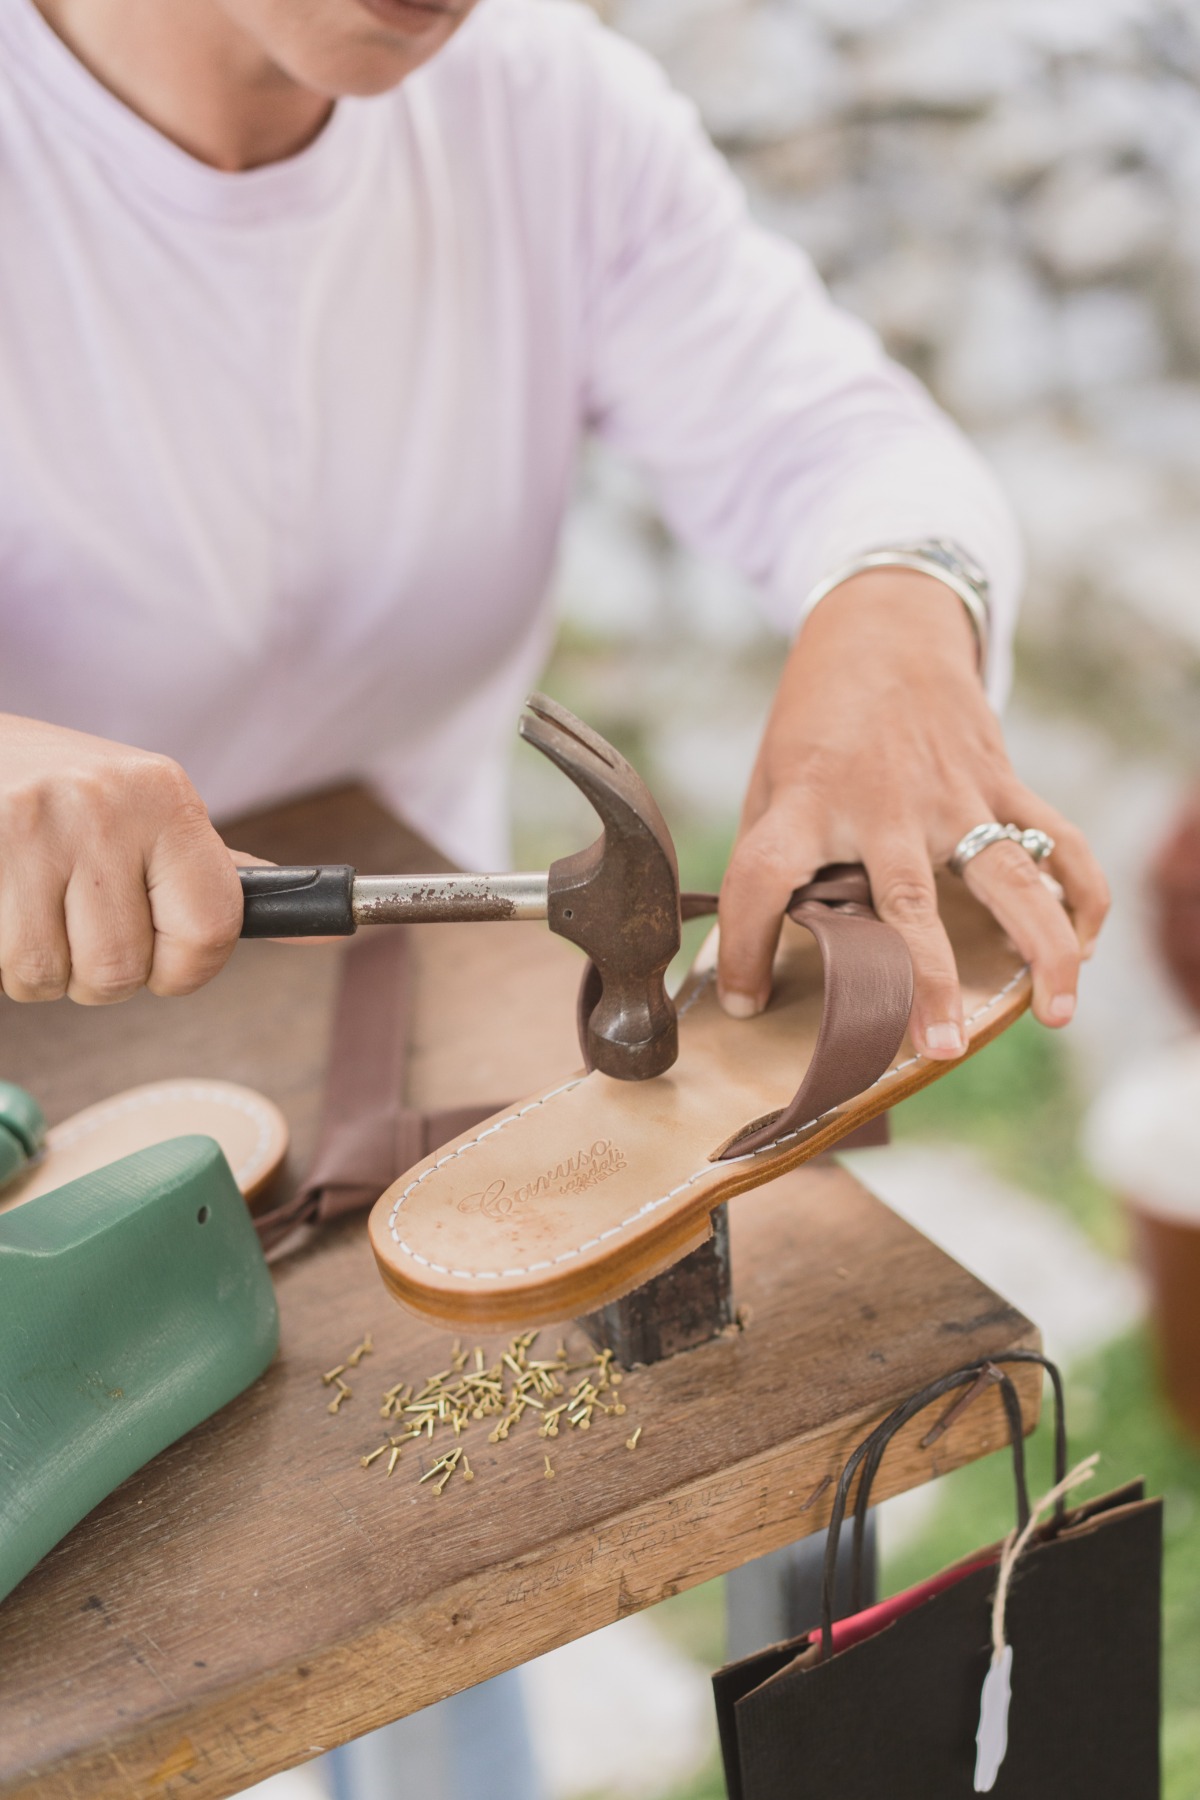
(773, 428)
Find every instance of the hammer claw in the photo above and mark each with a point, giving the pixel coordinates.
(612, 785)
(557, 718)
(600, 777)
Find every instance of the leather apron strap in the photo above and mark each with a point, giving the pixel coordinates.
(368, 1133)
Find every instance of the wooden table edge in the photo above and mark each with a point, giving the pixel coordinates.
(463, 1636)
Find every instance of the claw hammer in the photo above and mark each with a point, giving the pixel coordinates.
(618, 900)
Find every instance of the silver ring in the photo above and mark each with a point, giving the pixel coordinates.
(1037, 844)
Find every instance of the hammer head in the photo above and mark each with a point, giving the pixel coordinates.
(618, 899)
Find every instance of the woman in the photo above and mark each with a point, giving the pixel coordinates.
(305, 309)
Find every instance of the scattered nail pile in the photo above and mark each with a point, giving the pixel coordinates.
(505, 1391)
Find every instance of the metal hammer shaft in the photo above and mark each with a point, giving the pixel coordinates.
(332, 900)
(434, 899)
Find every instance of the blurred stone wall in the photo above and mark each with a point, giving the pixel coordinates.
(1009, 191)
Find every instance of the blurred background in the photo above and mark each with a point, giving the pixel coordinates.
(1009, 191)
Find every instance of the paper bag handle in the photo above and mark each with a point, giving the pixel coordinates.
(869, 1454)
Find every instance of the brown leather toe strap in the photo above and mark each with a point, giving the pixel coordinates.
(868, 997)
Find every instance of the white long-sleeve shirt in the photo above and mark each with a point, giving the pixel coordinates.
(284, 454)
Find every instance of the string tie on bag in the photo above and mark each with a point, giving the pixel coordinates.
(991, 1739)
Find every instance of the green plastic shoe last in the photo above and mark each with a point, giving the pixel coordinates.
(134, 1302)
(22, 1130)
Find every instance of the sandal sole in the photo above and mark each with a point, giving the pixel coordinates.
(586, 1190)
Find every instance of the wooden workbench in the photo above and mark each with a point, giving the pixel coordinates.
(253, 1596)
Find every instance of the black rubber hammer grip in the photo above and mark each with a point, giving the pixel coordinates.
(312, 902)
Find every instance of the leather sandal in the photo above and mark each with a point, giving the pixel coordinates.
(249, 1128)
(570, 1198)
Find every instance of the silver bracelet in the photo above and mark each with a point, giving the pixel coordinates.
(938, 557)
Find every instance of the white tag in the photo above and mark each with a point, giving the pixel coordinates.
(991, 1740)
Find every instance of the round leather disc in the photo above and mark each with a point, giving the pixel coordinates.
(250, 1129)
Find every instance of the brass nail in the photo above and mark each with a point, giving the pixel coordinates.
(448, 1464)
(468, 1473)
(366, 1461)
(333, 1374)
(549, 1470)
(631, 1443)
(393, 1458)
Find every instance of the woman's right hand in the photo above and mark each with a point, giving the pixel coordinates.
(111, 875)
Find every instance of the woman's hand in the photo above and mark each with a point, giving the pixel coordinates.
(111, 876)
(881, 749)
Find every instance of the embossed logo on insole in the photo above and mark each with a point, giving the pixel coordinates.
(574, 1175)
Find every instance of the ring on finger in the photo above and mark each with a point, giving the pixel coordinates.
(1035, 843)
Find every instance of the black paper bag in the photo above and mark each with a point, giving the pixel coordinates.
(894, 1715)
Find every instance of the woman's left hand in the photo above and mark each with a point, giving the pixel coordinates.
(881, 748)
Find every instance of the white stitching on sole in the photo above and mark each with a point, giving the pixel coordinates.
(650, 1205)
(251, 1106)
